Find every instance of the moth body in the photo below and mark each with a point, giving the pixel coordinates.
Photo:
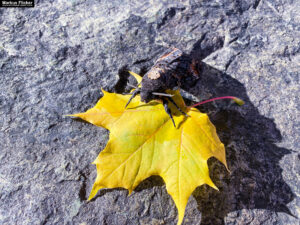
(173, 69)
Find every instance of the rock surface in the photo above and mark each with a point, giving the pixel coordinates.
(55, 57)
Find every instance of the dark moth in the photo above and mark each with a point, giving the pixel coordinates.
(172, 69)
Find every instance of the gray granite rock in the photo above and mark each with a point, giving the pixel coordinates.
(54, 59)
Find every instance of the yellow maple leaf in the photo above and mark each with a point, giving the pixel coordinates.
(143, 142)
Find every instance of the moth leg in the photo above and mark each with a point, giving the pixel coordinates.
(168, 111)
(131, 85)
(177, 107)
(133, 94)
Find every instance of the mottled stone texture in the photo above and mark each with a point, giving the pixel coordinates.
(54, 59)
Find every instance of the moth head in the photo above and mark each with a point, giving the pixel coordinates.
(146, 96)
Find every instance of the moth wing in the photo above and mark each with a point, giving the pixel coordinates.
(169, 56)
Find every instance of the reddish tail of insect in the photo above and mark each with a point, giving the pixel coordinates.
(235, 99)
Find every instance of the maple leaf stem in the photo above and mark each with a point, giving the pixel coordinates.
(235, 99)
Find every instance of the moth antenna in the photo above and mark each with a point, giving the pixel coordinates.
(133, 94)
(177, 107)
(162, 94)
(131, 85)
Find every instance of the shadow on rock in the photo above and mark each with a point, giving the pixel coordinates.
(255, 180)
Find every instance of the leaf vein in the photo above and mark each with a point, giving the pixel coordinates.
(206, 134)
